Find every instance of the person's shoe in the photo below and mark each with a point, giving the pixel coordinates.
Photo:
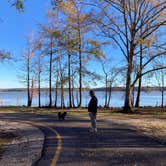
(95, 130)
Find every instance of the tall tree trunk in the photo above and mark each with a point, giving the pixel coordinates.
(133, 96)
(62, 94)
(80, 66)
(56, 93)
(162, 91)
(61, 84)
(128, 95)
(162, 98)
(130, 52)
(109, 95)
(137, 104)
(73, 89)
(39, 89)
(69, 80)
(73, 101)
(106, 88)
(77, 98)
(28, 82)
(50, 75)
(31, 91)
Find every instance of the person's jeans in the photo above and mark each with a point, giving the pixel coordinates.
(93, 121)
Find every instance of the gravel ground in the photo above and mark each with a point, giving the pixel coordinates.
(25, 148)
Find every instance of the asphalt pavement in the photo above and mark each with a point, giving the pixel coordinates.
(114, 144)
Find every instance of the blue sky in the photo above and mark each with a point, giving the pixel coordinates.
(13, 28)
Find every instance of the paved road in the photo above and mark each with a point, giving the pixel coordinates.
(114, 145)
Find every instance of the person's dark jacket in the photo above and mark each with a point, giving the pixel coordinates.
(92, 107)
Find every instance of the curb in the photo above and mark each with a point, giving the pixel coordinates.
(26, 148)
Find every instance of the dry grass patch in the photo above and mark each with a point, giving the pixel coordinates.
(153, 125)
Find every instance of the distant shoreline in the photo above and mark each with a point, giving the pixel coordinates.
(86, 89)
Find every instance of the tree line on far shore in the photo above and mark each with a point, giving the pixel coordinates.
(75, 37)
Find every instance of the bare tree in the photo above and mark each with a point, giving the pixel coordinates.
(124, 29)
(28, 70)
(111, 72)
(106, 83)
(56, 90)
(50, 44)
(62, 76)
(38, 65)
(77, 19)
(68, 42)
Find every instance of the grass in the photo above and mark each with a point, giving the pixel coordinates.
(110, 110)
(155, 112)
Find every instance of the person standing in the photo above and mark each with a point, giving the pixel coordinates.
(92, 109)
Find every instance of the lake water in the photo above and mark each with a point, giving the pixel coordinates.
(19, 98)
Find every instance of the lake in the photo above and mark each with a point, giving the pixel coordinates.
(19, 98)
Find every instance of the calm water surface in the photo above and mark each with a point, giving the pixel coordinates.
(19, 98)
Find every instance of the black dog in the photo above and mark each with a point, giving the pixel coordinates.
(61, 116)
